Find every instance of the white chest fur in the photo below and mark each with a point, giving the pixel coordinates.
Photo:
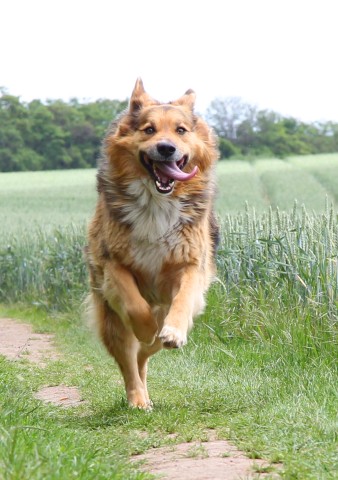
(151, 214)
(154, 219)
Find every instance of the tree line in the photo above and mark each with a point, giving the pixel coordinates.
(56, 134)
(52, 135)
(244, 130)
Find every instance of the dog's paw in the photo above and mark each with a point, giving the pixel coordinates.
(138, 399)
(172, 337)
(147, 407)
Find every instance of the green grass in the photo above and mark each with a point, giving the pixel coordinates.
(272, 182)
(283, 182)
(55, 198)
(45, 268)
(260, 367)
(38, 441)
(258, 370)
(324, 168)
(239, 182)
(45, 199)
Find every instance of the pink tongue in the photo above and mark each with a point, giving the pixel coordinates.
(171, 170)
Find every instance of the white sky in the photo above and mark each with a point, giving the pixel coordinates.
(277, 54)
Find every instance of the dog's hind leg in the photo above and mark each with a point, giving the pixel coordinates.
(128, 362)
(143, 355)
(124, 347)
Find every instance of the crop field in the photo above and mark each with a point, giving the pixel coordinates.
(57, 198)
(30, 200)
(260, 368)
(264, 183)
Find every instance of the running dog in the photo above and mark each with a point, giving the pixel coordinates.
(152, 240)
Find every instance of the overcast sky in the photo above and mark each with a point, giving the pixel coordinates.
(280, 55)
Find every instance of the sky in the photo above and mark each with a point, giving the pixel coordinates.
(278, 55)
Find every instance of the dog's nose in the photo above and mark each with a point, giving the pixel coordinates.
(166, 149)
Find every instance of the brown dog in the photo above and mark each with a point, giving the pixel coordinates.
(153, 237)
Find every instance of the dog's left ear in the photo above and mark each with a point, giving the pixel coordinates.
(188, 99)
(139, 98)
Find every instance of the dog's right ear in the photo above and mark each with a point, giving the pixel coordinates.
(139, 98)
(188, 99)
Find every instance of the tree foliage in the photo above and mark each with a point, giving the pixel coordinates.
(262, 132)
(58, 134)
(52, 135)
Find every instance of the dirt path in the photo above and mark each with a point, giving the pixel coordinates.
(212, 460)
(18, 342)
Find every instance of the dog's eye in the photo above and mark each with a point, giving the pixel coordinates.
(149, 130)
(181, 130)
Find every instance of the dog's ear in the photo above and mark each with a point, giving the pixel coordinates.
(188, 99)
(139, 98)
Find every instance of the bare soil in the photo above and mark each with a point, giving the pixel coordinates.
(212, 460)
(18, 342)
(60, 395)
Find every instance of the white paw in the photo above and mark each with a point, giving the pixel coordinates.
(172, 337)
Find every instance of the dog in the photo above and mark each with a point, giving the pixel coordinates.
(152, 240)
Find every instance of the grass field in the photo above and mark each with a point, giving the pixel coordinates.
(265, 183)
(56, 198)
(261, 364)
(45, 199)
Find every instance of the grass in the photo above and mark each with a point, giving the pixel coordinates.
(45, 268)
(278, 183)
(239, 182)
(260, 367)
(42, 442)
(259, 378)
(53, 199)
(45, 199)
(325, 170)
(285, 181)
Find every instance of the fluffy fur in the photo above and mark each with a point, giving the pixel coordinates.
(152, 240)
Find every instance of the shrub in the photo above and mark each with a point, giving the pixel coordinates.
(227, 149)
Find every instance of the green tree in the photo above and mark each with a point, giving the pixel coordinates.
(58, 134)
(264, 132)
(52, 135)
(12, 116)
(226, 148)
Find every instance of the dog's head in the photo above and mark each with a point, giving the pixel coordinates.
(166, 142)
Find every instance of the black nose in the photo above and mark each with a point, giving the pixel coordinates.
(166, 149)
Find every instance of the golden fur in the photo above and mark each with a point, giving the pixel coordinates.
(152, 240)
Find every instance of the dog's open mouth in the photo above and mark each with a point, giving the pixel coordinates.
(165, 173)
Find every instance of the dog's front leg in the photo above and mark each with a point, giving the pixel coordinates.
(121, 292)
(188, 301)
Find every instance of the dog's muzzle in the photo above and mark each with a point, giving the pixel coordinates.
(165, 165)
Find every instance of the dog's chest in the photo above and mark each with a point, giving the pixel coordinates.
(155, 225)
(149, 260)
(151, 217)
